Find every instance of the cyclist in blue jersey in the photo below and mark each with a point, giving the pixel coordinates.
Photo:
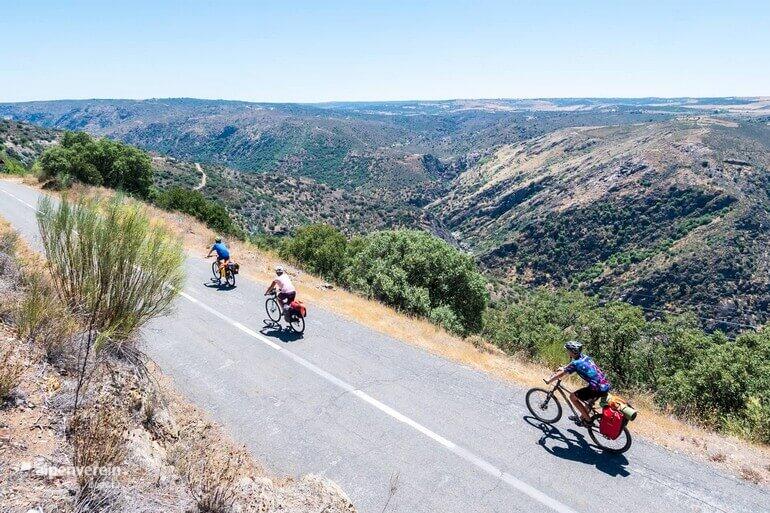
(586, 368)
(223, 256)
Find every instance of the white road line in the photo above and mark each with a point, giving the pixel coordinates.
(19, 200)
(460, 451)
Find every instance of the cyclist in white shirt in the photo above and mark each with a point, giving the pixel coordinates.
(286, 290)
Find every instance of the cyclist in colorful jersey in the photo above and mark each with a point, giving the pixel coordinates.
(223, 256)
(586, 368)
(286, 290)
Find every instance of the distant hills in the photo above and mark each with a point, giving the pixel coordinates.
(662, 202)
(663, 215)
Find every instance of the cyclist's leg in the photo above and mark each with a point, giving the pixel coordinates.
(579, 398)
(282, 300)
(222, 264)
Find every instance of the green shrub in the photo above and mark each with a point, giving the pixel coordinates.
(319, 248)
(755, 420)
(538, 323)
(417, 272)
(719, 381)
(195, 204)
(112, 268)
(98, 162)
(444, 316)
(10, 165)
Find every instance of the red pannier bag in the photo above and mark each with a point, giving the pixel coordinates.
(611, 424)
(299, 307)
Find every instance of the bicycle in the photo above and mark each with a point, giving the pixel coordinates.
(229, 274)
(545, 407)
(274, 310)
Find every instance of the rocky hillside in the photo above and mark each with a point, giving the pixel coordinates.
(363, 146)
(666, 215)
(278, 204)
(24, 142)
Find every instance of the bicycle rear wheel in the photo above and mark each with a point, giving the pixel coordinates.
(617, 446)
(297, 323)
(273, 309)
(230, 278)
(544, 405)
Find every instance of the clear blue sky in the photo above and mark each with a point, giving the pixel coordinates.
(382, 50)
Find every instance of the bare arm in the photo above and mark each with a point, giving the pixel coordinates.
(560, 373)
(271, 287)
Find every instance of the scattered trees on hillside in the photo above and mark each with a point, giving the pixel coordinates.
(98, 162)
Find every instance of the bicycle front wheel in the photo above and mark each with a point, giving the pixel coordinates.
(544, 405)
(617, 446)
(215, 269)
(273, 309)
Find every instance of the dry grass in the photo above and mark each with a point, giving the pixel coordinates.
(97, 434)
(213, 479)
(10, 373)
(44, 321)
(40, 318)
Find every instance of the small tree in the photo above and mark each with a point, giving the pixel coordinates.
(112, 267)
(99, 162)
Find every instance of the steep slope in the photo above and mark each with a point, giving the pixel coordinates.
(665, 215)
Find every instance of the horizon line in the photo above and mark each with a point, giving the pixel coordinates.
(434, 100)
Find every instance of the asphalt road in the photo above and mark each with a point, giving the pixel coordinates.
(399, 429)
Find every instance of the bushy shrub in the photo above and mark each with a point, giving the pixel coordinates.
(722, 380)
(408, 269)
(114, 270)
(537, 323)
(98, 162)
(417, 272)
(444, 316)
(319, 248)
(195, 204)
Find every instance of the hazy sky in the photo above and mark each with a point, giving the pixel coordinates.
(382, 50)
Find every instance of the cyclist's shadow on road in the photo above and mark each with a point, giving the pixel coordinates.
(577, 448)
(275, 330)
(222, 287)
